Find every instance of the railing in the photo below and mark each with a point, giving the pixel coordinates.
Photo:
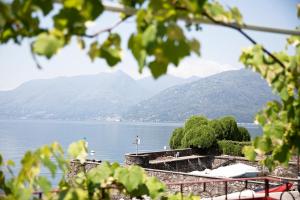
(237, 188)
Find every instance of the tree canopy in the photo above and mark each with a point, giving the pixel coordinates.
(200, 132)
(160, 40)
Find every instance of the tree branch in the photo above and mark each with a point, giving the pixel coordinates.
(245, 35)
(38, 65)
(109, 29)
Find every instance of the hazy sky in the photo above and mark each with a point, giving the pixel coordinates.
(220, 47)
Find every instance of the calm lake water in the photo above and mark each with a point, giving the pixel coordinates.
(110, 141)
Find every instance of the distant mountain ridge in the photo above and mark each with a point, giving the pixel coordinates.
(101, 96)
(240, 93)
(117, 96)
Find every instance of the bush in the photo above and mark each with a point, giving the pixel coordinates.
(232, 148)
(175, 140)
(201, 137)
(195, 121)
(244, 134)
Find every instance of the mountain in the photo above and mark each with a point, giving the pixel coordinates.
(114, 96)
(102, 96)
(80, 97)
(240, 93)
(154, 86)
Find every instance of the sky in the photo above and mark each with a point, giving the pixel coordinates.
(220, 47)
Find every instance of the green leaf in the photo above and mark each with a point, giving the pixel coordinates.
(101, 173)
(70, 20)
(158, 68)
(94, 50)
(174, 32)
(44, 183)
(131, 178)
(112, 56)
(282, 153)
(45, 5)
(47, 45)
(195, 46)
(50, 165)
(110, 50)
(149, 35)
(249, 152)
(10, 163)
(92, 9)
(135, 43)
(155, 187)
(78, 150)
(73, 4)
(80, 43)
(175, 51)
(237, 16)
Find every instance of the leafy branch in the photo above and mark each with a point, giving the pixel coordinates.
(109, 29)
(240, 30)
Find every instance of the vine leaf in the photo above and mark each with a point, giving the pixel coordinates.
(47, 45)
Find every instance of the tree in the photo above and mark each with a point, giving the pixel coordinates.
(195, 121)
(198, 131)
(175, 140)
(159, 41)
(244, 134)
(216, 125)
(200, 137)
(229, 128)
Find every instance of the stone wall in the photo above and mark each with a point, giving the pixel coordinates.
(76, 167)
(199, 162)
(208, 189)
(289, 172)
(144, 158)
(184, 165)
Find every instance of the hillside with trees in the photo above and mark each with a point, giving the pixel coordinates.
(240, 93)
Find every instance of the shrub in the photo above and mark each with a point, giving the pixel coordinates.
(195, 121)
(175, 140)
(232, 148)
(244, 134)
(201, 136)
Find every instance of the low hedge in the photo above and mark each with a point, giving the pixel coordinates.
(232, 148)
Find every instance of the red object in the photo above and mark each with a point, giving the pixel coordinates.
(280, 188)
(262, 198)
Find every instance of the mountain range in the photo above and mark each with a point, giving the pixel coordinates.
(239, 93)
(117, 96)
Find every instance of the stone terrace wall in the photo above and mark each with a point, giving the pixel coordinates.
(143, 158)
(209, 190)
(290, 171)
(200, 163)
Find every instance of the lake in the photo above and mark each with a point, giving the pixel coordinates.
(109, 140)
